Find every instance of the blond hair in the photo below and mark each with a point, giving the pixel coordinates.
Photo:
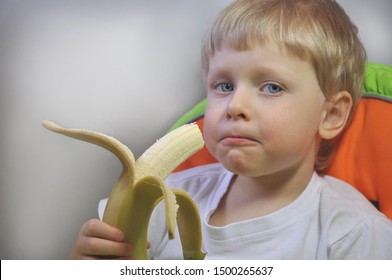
(315, 30)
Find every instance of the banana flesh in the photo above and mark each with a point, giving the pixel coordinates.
(141, 187)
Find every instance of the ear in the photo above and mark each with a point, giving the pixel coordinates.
(335, 114)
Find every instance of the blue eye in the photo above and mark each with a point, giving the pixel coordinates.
(225, 87)
(272, 88)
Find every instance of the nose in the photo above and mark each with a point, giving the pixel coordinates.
(239, 106)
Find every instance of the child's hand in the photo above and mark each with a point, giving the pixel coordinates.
(98, 240)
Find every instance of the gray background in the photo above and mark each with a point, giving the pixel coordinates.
(125, 68)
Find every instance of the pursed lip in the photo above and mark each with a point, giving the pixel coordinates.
(240, 140)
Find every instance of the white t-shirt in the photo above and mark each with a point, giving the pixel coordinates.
(329, 220)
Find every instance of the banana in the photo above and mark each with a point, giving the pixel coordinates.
(141, 187)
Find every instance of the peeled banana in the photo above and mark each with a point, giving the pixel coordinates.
(141, 187)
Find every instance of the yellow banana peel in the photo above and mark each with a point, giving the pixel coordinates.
(141, 187)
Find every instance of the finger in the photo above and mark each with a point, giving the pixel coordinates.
(105, 249)
(99, 247)
(99, 229)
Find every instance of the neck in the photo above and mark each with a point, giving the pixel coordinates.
(284, 185)
(251, 197)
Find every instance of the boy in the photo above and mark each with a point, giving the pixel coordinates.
(283, 79)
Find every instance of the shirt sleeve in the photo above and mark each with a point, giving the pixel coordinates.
(369, 240)
(157, 232)
(101, 207)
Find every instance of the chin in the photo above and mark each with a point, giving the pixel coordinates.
(238, 167)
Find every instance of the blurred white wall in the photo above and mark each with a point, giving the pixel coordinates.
(125, 68)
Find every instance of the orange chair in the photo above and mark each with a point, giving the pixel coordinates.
(365, 150)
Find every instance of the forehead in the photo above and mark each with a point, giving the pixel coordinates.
(262, 64)
(267, 56)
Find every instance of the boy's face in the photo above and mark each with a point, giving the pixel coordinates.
(264, 111)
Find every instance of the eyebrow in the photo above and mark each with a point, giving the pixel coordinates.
(257, 71)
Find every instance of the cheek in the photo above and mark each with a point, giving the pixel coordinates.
(290, 129)
(208, 131)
